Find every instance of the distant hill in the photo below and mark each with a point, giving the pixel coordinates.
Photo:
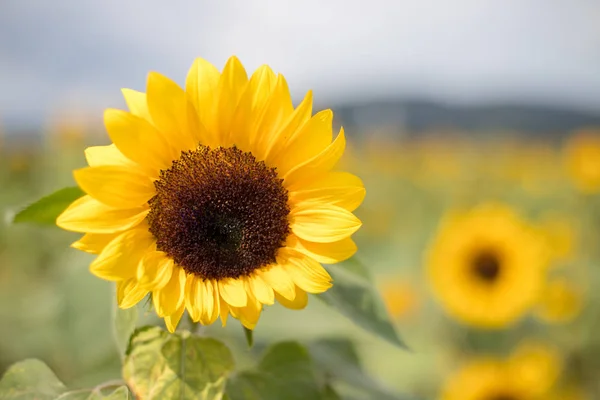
(419, 116)
(412, 116)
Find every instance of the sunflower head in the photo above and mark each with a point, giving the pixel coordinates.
(527, 374)
(486, 266)
(582, 160)
(218, 198)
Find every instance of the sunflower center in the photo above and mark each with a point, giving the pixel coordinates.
(219, 213)
(504, 397)
(486, 266)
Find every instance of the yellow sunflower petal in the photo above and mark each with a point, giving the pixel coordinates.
(171, 321)
(251, 106)
(294, 121)
(250, 314)
(88, 215)
(168, 299)
(155, 270)
(137, 103)
(131, 293)
(306, 142)
(120, 258)
(232, 84)
(191, 297)
(172, 112)
(212, 308)
(223, 310)
(210, 303)
(115, 186)
(94, 242)
(276, 277)
(299, 302)
(321, 163)
(138, 140)
(323, 223)
(107, 155)
(201, 87)
(326, 253)
(277, 111)
(306, 273)
(338, 188)
(262, 291)
(233, 292)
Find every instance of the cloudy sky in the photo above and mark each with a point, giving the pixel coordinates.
(61, 54)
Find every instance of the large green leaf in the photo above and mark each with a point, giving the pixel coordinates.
(285, 372)
(355, 297)
(47, 209)
(124, 322)
(338, 359)
(30, 380)
(167, 366)
(121, 393)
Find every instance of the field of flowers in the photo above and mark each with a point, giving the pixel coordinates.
(484, 248)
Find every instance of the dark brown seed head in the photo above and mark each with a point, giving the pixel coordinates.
(486, 265)
(503, 397)
(219, 213)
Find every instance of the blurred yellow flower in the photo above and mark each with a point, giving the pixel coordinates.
(486, 266)
(560, 301)
(561, 236)
(400, 297)
(218, 198)
(582, 160)
(528, 374)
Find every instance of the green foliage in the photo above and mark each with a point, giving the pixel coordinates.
(48, 208)
(354, 296)
(338, 359)
(30, 379)
(285, 372)
(160, 365)
(121, 393)
(33, 380)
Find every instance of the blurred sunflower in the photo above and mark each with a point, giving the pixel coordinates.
(400, 296)
(560, 301)
(217, 199)
(582, 160)
(528, 374)
(561, 235)
(486, 266)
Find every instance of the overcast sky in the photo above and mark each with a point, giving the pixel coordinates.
(56, 54)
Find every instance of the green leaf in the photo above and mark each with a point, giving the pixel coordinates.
(355, 297)
(285, 372)
(47, 209)
(167, 366)
(249, 334)
(124, 322)
(330, 394)
(121, 393)
(338, 359)
(30, 379)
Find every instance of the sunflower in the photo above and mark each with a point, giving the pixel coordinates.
(400, 296)
(218, 198)
(560, 301)
(528, 374)
(582, 160)
(486, 266)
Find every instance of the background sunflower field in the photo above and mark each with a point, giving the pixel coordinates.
(480, 228)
